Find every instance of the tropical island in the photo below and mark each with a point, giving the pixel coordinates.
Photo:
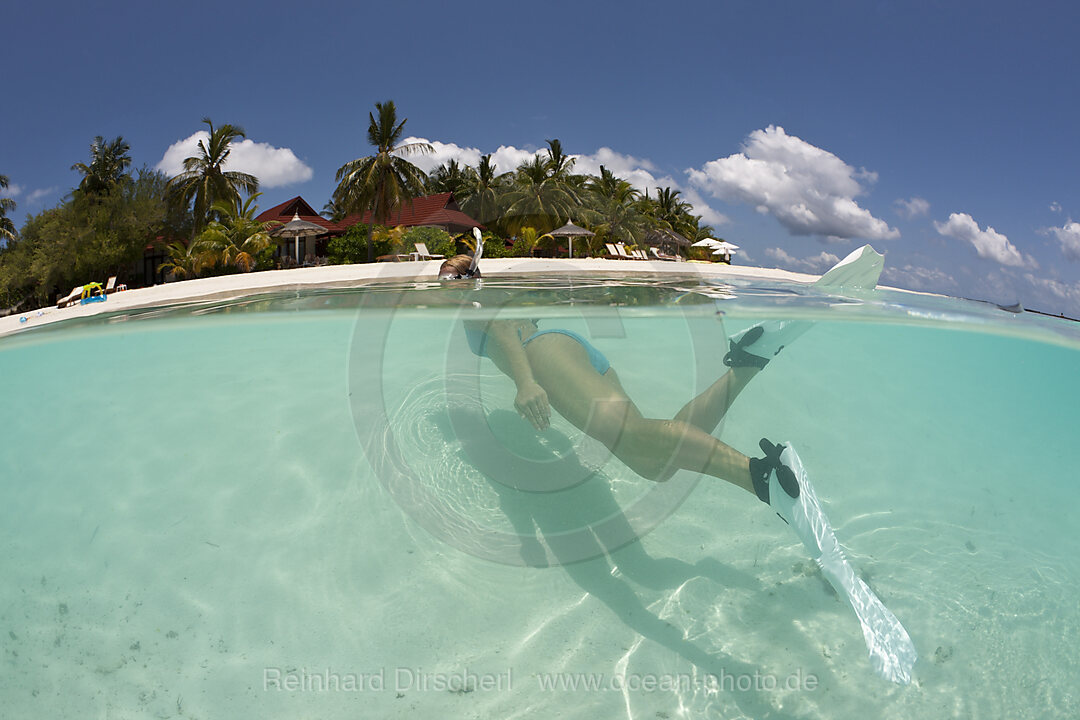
(145, 228)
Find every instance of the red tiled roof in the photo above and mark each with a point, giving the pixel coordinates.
(440, 209)
(298, 206)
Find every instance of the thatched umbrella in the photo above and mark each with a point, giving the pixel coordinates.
(296, 229)
(571, 231)
(665, 236)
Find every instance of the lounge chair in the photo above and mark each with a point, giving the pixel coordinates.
(422, 253)
(663, 256)
(110, 285)
(71, 297)
(612, 252)
(622, 252)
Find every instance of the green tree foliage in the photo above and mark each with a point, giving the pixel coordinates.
(615, 211)
(381, 182)
(88, 238)
(109, 162)
(235, 241)
(482, 200)
(438, 241)
(7, 205)
(205, 182)
(352, 247)
(670, 211)
(452, 178)
(183, 262)
(537, 199)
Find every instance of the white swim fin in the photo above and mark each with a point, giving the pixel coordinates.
(780, 480)
(758, 344)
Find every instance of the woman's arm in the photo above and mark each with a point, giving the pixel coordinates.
(505, 350)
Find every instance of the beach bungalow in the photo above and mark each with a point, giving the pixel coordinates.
(440, 210)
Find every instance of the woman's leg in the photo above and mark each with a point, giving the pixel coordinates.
(599, 407)
(708, 409)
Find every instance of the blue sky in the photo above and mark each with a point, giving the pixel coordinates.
(942, 133)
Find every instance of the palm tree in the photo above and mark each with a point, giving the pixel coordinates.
(205, 182)
(7, 228)
(384, 181)
(527, 240)
(558, 163)
(235, 239)
(108, 160)
(669, 211)
(616, 212)
(452, 178)
(538, 199)
(481, 200)
(183, 261)
(333, 211)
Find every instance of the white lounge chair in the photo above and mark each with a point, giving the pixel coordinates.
(75, 294)
(663, 256)
(422, 253)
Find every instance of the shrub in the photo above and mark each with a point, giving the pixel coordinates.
(351, 247)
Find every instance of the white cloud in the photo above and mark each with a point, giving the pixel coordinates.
(1055, 293)
(808, 190)
(505, 159)
(1069, 237)
(913, 208)
(988, 243)
(814, 264)
(639, 172)
(1055, 206)
(915, 277)
(273, 166)
(709, 216)
(34, 196)
(13, 190)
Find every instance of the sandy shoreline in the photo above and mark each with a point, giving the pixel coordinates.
(338, 276)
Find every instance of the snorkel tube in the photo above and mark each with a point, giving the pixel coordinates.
(463, 267)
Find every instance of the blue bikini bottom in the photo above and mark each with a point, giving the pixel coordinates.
(478, 340)
(596, 358)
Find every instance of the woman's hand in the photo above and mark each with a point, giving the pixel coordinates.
(532, 404)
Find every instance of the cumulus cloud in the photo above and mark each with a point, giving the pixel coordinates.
(708, 215)
(505, 159)
(639, 172)
(35, 196)
(916, 277)
(1055, 207)
(814, 264)
(273, 166)
(1055, 294)
(13, 190)
(808, 190)
(1069, 237)
(913, 208)
(988, 243)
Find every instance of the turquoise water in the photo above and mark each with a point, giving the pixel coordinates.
(220, 510)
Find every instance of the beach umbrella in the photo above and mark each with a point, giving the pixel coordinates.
(571, 231)
(707, 242)
(725, 248)
(296, 229)
(665, 236)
